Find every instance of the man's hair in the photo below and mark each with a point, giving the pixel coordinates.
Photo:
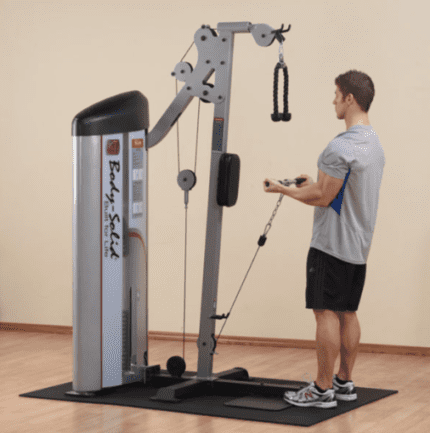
(360, 85)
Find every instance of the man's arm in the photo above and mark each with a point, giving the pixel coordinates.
(311, 195)
(319, 194)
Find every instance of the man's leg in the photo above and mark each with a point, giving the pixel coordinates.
(350, 339)
(328, 346)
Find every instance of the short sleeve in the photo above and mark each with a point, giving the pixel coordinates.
(336, 158)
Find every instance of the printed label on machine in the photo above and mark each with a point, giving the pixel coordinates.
(112, 256)
(137, 167)
(112, 200)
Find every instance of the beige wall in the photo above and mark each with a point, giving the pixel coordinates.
(58, 58)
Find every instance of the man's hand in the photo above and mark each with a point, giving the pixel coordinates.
(309, 181)
(274, 186)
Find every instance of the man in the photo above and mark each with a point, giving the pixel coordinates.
(346, 198)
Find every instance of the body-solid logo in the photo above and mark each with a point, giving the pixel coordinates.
(112, 218)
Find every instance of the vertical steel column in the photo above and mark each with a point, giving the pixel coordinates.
(214, 221)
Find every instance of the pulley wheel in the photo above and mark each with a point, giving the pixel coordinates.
(186, 180)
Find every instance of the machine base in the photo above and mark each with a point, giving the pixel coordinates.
(141, 374)
(232, 382)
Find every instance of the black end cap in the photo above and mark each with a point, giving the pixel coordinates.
(125, 112)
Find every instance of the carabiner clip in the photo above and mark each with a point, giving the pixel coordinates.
(281, 54)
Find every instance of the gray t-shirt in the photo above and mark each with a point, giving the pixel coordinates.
(345, 228)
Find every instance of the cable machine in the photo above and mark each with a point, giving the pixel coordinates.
(110, 228)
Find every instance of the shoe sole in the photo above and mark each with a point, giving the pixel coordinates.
(343, 397)
(321, 405)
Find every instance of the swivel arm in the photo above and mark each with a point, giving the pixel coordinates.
(214, 56)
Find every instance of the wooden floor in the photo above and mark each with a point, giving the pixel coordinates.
(31, 361)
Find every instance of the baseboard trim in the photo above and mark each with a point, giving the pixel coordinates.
(226, 339)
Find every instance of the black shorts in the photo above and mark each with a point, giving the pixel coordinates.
(333, 284)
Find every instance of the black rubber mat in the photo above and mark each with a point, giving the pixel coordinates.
(250, 408)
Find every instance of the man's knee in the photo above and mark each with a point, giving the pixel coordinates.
(345, 316)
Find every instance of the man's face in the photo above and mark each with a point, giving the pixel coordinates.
(339, 105)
